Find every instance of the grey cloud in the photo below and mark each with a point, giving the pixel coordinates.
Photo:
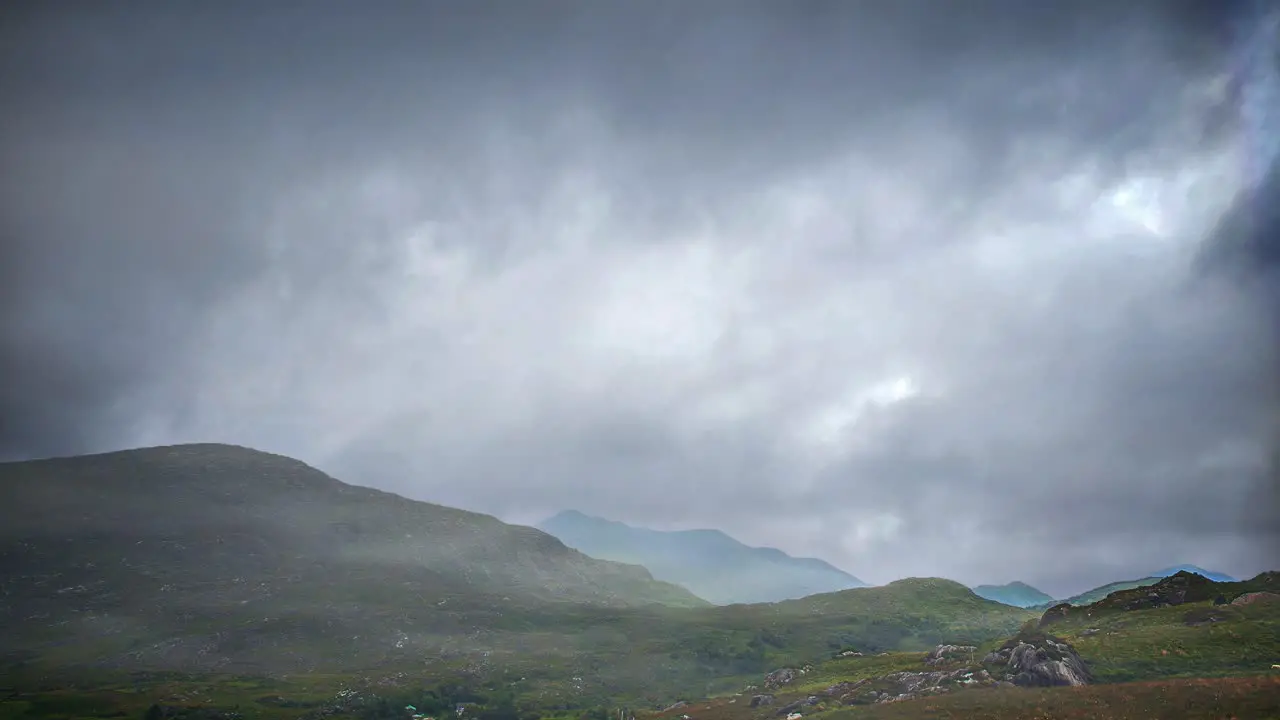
(876, 283)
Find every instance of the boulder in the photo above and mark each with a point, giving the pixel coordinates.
(1044, 662)
(780, 677)
(949, 653)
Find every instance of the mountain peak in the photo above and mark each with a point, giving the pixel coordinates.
(1174, 570)
(1016, 593)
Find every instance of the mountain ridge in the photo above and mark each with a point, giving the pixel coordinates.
(214, 497)
(709, 562)
(1016, 593)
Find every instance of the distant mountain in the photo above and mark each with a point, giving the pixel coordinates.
(1017, 594)
(1214, 576)
(709, 563)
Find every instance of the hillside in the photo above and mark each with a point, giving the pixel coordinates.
(1098, 593)
(709, 563)
(1214, 576)
(1183, 648)
(1017, 594)
(1102, 591)
(207, 559)
(206, 513)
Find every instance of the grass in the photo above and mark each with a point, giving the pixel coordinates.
(1256, 698)
(272, 591)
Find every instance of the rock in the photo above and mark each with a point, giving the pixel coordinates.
(1045, 662)
(1090, 631)
(946, 653)
(1253, 597)
(761, 700)
(780, 677)
(789, 708)
(1061, 611)
(843, 688)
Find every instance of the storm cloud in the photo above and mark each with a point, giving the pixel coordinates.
(984, 292)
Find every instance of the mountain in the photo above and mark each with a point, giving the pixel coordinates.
(709, 563)
(216, 561)
(194, 513)
(176, 556)
(1017, 594)
(1092, 596)
(1096, 594)
(1214, 576)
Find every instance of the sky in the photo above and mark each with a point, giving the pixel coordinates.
(986, 292)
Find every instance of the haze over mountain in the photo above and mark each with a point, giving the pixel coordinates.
(889, 283)
(149, 535)
(1017, 594)
(711, 564)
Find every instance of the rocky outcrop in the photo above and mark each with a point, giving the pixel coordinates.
(780, 677)
(1039, 661)
(1061, 611)
(907, 685)
(949, 653)
(1255, 597)
(1177, 589)
(792, 707)
(761, 700)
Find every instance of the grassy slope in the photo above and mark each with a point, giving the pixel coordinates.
(1092, 596)
(336, 622)
(1163, 662)
(1152, 663)
(1209, 699)
(622, 655)
(209, 559)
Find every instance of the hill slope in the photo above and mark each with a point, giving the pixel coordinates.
(1096, 594)
(200, 513)
(1214, 576)
(711, 564)
(214, 559)
(1017, 594)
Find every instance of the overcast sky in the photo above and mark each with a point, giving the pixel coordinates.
(986, 293)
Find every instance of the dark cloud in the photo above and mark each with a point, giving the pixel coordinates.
(920, 292)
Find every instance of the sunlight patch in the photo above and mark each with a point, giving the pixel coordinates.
(829, 428)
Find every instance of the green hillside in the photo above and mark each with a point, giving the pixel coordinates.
(1098, 593)
(1183, 648)
(217, 583)
(215, 561)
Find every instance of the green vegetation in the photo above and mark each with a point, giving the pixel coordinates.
(1092, 596)
(219, 583)
(1210, 699)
